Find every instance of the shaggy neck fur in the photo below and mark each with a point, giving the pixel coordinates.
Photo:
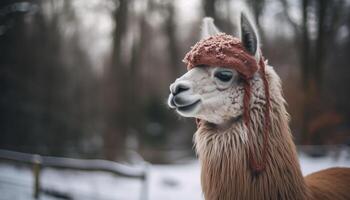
(223, 153)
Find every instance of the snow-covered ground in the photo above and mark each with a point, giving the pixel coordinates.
(166, 182)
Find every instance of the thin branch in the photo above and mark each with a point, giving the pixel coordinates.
(289, 18)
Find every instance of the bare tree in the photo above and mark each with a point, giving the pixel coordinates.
(210, 8)
(123, 76)
(314, 47)
(170, 30)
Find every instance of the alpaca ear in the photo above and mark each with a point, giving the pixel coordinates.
(208, 27)
(249, 36)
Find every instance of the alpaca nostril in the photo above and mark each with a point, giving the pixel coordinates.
(181, 87)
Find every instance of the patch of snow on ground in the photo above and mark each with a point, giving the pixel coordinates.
(170, 182)
(310, 165)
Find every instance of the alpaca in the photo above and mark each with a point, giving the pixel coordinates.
(243, 140)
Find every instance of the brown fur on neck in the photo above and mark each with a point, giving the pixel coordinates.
(226, 173)
(223, 154)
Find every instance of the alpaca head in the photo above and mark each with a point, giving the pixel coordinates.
(213, 88)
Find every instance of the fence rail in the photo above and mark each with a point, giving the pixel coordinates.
(37, 162)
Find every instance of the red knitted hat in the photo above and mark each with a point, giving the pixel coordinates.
(227, 51)
(222, 50)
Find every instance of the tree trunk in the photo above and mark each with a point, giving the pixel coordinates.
(116, 123)
(170, 29)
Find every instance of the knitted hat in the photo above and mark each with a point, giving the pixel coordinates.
(227, 51)
(222, 50)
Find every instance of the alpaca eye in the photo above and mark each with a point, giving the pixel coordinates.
(224, 76)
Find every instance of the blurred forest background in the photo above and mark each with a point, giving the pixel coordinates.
(89, 78)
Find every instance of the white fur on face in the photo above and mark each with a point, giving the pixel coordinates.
(219, 101)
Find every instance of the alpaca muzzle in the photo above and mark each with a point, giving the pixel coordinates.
(181, 99)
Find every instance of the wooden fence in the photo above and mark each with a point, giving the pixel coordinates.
(38, 162)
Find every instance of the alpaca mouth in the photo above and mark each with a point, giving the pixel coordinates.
(188, 108)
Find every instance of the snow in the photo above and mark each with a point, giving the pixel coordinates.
(310, 165)
(176, 181)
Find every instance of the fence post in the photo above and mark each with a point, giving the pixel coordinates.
(145, 187)
(36, 173)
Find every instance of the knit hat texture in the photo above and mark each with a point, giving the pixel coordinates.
(222, 50)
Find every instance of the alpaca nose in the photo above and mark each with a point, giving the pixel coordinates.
(177, 88)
